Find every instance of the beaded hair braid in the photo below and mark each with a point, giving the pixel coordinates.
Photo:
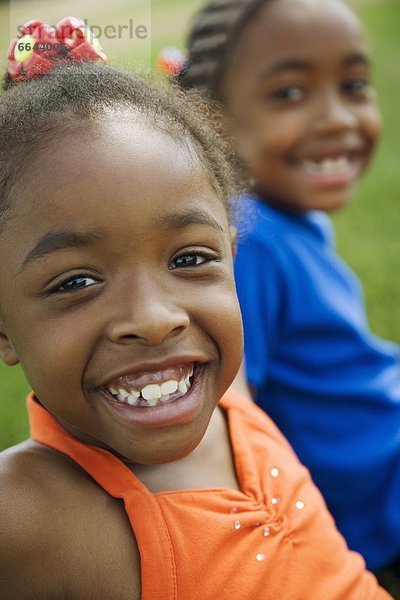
(214, 33)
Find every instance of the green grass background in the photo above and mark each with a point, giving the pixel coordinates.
(368, 230)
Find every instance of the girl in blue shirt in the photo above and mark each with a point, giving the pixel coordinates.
(294, 79)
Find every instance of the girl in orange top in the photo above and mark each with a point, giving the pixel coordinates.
(142, 478)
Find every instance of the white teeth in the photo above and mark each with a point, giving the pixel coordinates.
(328, 166)
(152, 401)
(132, 397)
(169, 387)
(151, 392)
(182, 387)
(343, 163)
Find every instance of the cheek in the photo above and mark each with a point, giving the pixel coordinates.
(250, 131)
(232, 322)
(268, 155)
(228, 328)
(372, 125)
(53, 353)
(244, 136)
(218, 314)
(274, 138)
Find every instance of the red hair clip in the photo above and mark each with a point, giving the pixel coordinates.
(41, 47)
(171, 61)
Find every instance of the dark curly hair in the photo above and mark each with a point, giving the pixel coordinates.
(35, 111)
(214, 33)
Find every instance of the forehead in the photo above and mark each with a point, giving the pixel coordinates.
(285, 28)
(130, 146)
(117, 168)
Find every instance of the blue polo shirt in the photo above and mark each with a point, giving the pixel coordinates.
(328, 382)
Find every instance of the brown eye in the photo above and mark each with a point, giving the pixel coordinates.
(357, 86)
(75, 283)
(189, 260)
(291, 93)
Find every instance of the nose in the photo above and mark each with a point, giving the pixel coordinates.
(332, 113)
(148, 314)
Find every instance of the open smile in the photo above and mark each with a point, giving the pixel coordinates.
(163, 398)
(330, 172)
(171, 387)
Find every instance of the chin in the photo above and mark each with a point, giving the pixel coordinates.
(164, 457)
(329, 202)
(333, 206)
(167, 453)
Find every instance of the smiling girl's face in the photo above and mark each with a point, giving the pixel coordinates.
(116, 288)
(299, 98)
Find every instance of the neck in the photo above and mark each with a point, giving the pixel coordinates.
(210, 465)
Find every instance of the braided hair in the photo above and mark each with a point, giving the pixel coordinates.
(71, 95)
(213, 36)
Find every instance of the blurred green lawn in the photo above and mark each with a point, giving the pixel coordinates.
(368, 230)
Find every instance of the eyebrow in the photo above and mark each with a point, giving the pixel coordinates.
(190, 217)
(291, 64)
(357, 59)
(54, 241)
(294, 64)
(60, 240)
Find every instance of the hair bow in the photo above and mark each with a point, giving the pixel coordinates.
(41, 47)
(171, 61)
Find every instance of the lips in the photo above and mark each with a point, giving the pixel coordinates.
(328, 166)
(149, 388)
(336, 170)
(121, 400)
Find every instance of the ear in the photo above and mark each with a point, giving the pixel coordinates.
(233, 234)
(7, 351)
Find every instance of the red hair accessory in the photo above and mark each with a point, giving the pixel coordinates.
(171, 61)
(41, 47)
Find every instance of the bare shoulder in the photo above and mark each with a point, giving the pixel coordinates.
(51, 543)
(28, 482)
(31, 478)
(27, 471)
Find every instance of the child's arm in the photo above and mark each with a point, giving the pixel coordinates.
(26, 569)
(61, 535)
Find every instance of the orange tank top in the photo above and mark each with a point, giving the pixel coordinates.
(272, 540)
